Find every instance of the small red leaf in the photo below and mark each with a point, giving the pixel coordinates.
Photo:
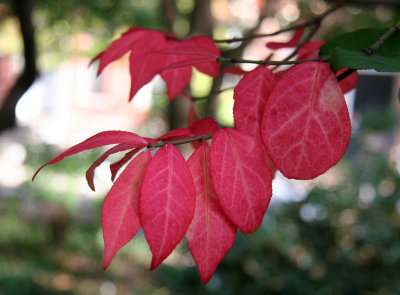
(211, 233)
(241, 178)
(202, 127)
(348, 83)
(291, 43)
(309, 50)
(306, 125)
(119, 148)
(167, 202)
(192, 117)
(144, 64)
(120, 212)
(120, 47)
(114, 167)
(235, 71)
(98, 140)
(175, 134)
(211, 67)
(176, 80)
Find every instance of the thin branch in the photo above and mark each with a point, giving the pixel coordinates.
(264, 62)
(181, 141)
(311, 22)
(372, 49)
(378, 43)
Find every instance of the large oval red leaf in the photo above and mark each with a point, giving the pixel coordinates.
(95, 141)
(211, 233)
(241, 178)
(306, 125)
(120, 212)
(167, 202)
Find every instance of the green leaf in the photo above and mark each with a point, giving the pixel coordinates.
(342, 58)
(362, 39)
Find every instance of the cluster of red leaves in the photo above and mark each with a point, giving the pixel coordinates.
(296, 122)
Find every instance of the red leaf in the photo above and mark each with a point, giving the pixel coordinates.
(98, 140)
(167, 202)
(176, 80)
(211, 233)
(306, 125)
(235, 71)
(202, 127)
(178, 133)
(144, 64)
(192, 117)
(120, 47)
(251, 95)
(291, 43)
(348, 83)
(241, 178)
(309, 50)
(114, 167)
(211, 67)
(120, 212)
(119, 148)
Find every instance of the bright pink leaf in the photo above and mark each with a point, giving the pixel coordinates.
(144, 64)
(241, 178)
(348, 83)
(115, 167)
(309, 50)
(120, 47)
(119, 148)
(211, 67)
(167, 202)
(178, 78)
(306, 125)
(175, 134)
(291, 43)
(120, 213)
(251, 95)
(211, 233)
(202, 127)
(98, 140)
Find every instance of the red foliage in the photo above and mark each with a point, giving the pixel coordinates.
(295, 120)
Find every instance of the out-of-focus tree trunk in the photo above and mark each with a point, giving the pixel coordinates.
(169, 12)
(23, 11)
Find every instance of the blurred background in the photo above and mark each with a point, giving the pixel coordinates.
(337, 234)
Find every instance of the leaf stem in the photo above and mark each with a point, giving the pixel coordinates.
(263, 62)
(181, 141)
